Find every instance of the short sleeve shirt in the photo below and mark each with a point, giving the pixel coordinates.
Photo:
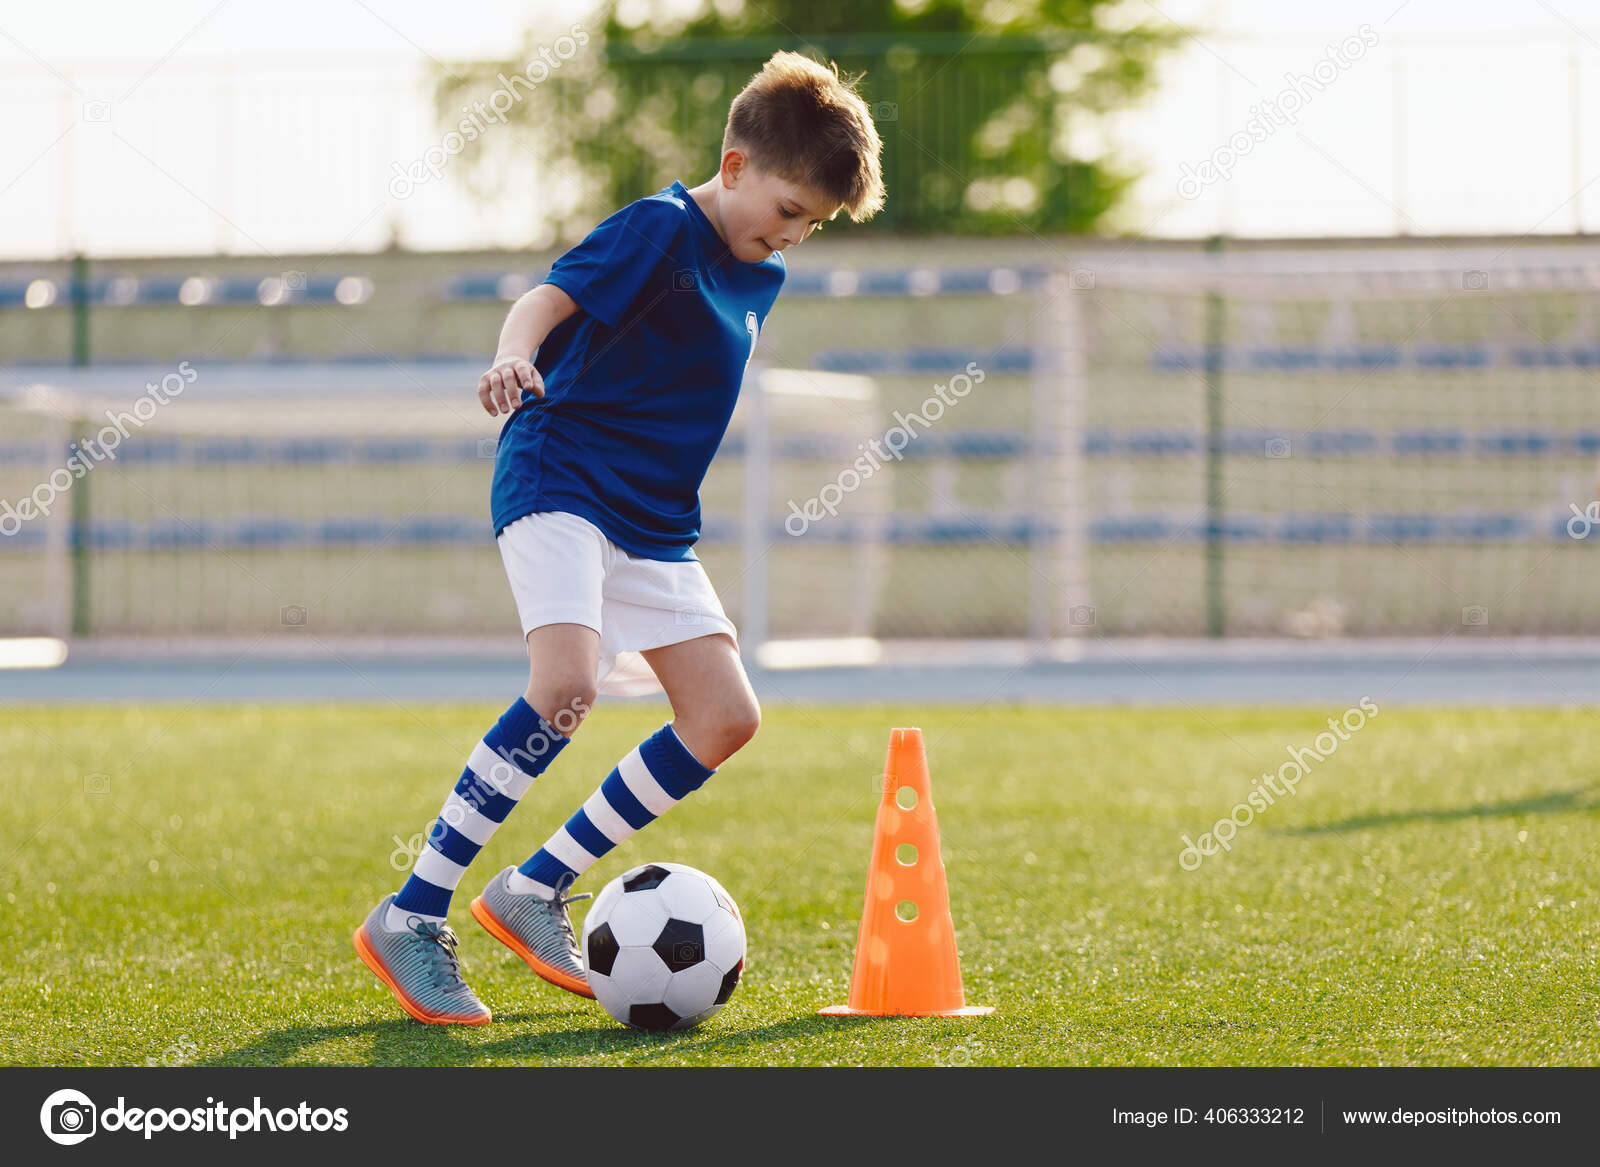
(641, 382)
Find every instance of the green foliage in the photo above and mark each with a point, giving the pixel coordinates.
(974, 103)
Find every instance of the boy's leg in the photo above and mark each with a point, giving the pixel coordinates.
(405, 940)
(714, 710)
(561, 668)
(714, 713)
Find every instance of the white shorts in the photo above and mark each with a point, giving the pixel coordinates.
(563, 570)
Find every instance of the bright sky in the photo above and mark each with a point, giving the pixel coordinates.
(271, 126)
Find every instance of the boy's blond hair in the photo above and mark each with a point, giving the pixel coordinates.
(799, 120)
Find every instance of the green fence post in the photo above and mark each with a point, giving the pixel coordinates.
(80, 541)
(1216, 614)
(80, 310)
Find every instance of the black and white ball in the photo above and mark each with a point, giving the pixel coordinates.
(663, 946)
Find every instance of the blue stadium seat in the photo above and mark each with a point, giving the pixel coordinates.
(1131, 529)
(1316, 528)
(354, 529)
(1412, 528)
(805, 283)
(1233, 529)
(1422, 442)
(1513, 443)
(1342, 442)
(1489, 528)
(1146, 443)
(1451, 356)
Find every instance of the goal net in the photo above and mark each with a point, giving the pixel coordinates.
(1146, 441)
(1345, 443)
(305, 501)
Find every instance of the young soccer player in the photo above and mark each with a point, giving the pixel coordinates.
(618, 375)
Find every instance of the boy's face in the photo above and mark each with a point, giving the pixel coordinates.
(763, 213)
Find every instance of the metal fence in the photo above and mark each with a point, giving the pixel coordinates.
(1313, 444)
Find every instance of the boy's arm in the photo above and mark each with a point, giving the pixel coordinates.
(532, 318)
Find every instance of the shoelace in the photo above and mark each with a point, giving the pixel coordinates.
(440, 946)
(558, 906)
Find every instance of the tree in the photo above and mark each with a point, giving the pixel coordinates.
(977, 103)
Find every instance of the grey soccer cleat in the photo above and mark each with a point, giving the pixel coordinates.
(420, 967)
(536, 929)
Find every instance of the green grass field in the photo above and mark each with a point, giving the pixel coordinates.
(180, 886)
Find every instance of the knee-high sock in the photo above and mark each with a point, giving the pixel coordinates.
(646, 784)
(499, 771)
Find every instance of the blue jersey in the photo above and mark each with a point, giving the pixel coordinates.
(641, 382)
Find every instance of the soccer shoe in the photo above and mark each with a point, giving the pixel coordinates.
(420, 967)
(536, 929)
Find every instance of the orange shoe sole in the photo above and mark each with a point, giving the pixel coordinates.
(370, 958)
(492, 925)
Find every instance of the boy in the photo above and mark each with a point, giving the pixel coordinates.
(642, 334)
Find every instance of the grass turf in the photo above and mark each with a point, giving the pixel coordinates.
(180, 886)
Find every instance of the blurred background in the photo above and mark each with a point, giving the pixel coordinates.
(1200, 331)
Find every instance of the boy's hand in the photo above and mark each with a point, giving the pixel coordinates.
(502, 387)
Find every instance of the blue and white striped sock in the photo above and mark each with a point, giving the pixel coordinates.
(499, 771)
(646, 784)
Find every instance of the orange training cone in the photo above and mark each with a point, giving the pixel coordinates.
(906, 967)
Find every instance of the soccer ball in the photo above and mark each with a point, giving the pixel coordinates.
(663, 947)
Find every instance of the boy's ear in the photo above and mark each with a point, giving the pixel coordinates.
(735, 163)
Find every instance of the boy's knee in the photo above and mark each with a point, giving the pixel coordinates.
(743, 725)
(563, 702)
(738, 725)
(715, 735)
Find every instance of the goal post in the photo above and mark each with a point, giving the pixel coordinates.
(36, 521)
(794, 427)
